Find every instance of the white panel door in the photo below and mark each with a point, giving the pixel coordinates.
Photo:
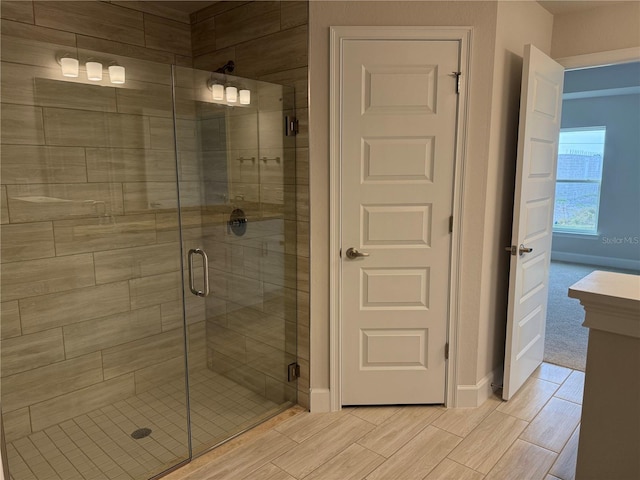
(398, 133)
(540, 109)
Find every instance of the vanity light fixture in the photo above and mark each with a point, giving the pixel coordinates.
(223, 92)
(94, 71)
(217, 91)
(245, 97)
(116, 74)
(227, 67)
(232, 94)
(70, 66)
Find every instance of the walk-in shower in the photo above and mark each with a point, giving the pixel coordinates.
(148, 263)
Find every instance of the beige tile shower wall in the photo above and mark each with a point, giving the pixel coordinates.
(268, 41)
(91, 309)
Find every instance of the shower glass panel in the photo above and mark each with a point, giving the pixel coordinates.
(236, 168)
(111, 197)
(93, 343)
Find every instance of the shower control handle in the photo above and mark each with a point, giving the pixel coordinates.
(205, 264)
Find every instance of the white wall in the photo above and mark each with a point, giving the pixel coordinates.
(602, 29)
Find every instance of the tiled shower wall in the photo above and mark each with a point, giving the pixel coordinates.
(267, 40)
(60, 272)
(82, 326)
(87, 187)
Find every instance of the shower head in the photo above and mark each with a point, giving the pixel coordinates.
(227, 67)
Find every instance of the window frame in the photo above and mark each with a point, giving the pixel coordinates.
(567, 230)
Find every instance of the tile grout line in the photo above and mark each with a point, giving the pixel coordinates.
(60, 452)
(23, 460)
(72, 441)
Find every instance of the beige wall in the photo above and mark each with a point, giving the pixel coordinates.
(500, 31)
(482, 17)
(518, 23)
(602, 29)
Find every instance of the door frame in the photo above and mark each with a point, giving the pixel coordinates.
(338, 35)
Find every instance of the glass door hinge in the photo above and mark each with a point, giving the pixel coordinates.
(291, 126)
(293, 370)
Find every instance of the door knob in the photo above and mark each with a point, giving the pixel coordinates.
(353, 253)
(520, 250)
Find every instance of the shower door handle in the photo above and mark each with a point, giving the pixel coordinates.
(205, 266)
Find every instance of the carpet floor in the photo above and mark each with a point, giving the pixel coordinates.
(566, 338)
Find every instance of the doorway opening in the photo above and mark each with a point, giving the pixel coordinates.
(596, 220)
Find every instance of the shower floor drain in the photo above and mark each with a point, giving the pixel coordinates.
(141, 433)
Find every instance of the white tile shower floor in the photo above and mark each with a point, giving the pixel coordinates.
(98, 445)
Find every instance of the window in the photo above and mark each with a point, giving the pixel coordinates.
(580, 157)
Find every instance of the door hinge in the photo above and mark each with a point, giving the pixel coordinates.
(293, 371)
(291, 126)
(451, 224)
(458, 76)
(446, 351)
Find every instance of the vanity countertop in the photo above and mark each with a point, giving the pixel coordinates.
(616, 293)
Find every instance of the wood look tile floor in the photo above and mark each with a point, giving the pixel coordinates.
(531, 437)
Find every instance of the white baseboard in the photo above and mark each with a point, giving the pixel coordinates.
(611, 262)
(320, 400)
(471, 396)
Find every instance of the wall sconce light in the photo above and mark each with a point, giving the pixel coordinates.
(218, 91)
(116, 74)
(232, 94)
(228, 95)
(70, 66)
(94, 71)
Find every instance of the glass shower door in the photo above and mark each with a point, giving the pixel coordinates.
(93, 347)
(237, 203)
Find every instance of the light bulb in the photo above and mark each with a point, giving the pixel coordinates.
(232, 94)
(94, 71)
(69, 66)
(116, 74)
(245, 97)
(218, 91)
